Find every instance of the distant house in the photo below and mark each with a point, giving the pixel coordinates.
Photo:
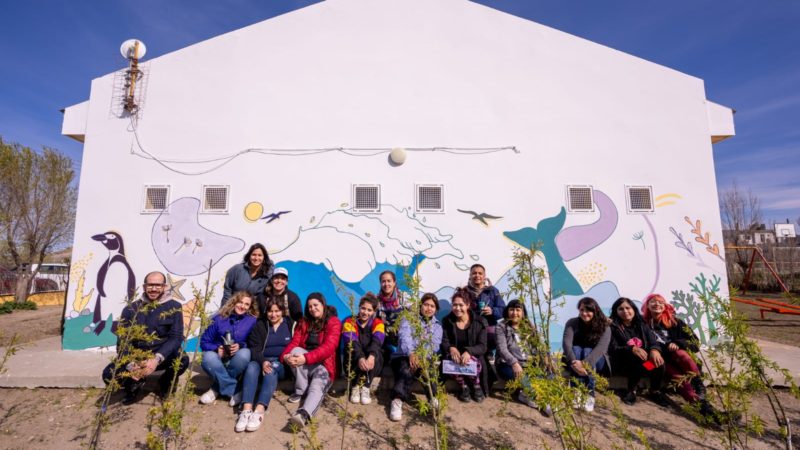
(358, 136)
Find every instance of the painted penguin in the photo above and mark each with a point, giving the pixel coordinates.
(116, 262)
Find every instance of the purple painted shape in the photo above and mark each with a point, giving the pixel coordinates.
(574, 241)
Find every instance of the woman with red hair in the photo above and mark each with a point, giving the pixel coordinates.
(676, 338)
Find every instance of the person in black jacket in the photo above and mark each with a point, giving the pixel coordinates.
(464, 341)
(635, 351)
(270, 335)
(278, 289)
(678, 340)
(162, 318)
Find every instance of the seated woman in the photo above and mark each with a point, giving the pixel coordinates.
(271, 334)
(252, 275)
(391, 304)
(585, 345)
(362, 342)
(635, 351)
(486, 300)
(311, 355)
(224, 345)
(676, 337)
(512, 352)
(464, 341)
(406, 360)
(278, 289)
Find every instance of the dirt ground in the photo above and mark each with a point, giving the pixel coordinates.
(61, 418)
(31, 325)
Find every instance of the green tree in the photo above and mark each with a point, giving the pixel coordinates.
(38, 198)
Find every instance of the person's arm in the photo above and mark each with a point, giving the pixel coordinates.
(619, 343)
(478, 348)
(350, 340)
(375, 346)
(295, 309)
(600, 349)
(437, 336)
(333, 329)
(175, 333)
(685, 337)
(445, 347)
(566, 341)
(502, 344)
(209, 342)
(498, 305)
(405, 340)
(228, 286)
(256, 340)
(300, 334)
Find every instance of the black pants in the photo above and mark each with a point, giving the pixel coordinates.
(164, 381)
(362, 377)
(404, 378)
(630, 366)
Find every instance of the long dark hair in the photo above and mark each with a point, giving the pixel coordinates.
(263, 270)
(637, 317)
(597, 326)
(316, 325)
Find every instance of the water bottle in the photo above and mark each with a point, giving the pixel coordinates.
(227, 341)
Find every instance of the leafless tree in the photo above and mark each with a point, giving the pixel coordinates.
(38, 198)
(741, 215)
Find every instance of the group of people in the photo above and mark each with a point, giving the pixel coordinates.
(262, 333)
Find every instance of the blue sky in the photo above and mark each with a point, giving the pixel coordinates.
(747, 52)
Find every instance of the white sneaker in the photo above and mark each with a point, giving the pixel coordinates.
(241, 423)
(366, 399)
(525, 400)
(355, 394)
(208, 397)
(589, 405)
(236, 399)
(254, 422)
(396, 412)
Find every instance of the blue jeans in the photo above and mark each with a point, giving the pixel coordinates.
(269, 383)
(505, 372)
(225, 373)
(582, 353)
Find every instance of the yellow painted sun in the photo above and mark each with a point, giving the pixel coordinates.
(253, 211)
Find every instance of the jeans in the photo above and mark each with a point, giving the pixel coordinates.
(225, 373)
(589, 381)
(269, 382)
(311, 380)
(404, 378)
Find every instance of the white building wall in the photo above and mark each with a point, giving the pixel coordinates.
(383, 74)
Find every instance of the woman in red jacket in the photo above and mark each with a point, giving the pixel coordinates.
(312, 356)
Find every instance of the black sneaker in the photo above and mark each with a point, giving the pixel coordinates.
(629, 398)
(660, 399)
(478, 395)
(295, 398)
(464, 395)
(132, 392)
(299, 419)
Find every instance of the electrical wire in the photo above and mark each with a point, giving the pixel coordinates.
(357, 152)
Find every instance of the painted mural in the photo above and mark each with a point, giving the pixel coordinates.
(183, 246)
(340, 253)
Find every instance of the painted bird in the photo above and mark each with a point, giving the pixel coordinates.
(275, 216)
(113, 268)
(480, 217)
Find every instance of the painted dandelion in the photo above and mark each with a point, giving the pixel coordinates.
(166, 229)
(639, 236)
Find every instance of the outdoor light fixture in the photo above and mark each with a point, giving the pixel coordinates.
(398, 156)
(132, 50)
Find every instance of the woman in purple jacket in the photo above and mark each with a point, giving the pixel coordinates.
(224, 345)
